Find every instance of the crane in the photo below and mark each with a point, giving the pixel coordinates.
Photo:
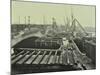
(73, 27)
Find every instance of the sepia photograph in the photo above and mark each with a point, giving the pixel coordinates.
(52, 37)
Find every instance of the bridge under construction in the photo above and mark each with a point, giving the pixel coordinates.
(48, 48)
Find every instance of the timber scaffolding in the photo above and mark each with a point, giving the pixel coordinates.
(33, 60)
(53, 52)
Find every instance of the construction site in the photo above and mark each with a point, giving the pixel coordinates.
(49, 47)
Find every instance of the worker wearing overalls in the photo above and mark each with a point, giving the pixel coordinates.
(65, 52)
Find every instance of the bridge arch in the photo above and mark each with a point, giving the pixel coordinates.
(35, 41)
(25, 36)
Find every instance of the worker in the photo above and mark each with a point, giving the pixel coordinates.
(65, 57)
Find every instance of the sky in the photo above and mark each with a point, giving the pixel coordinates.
(40, 12)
